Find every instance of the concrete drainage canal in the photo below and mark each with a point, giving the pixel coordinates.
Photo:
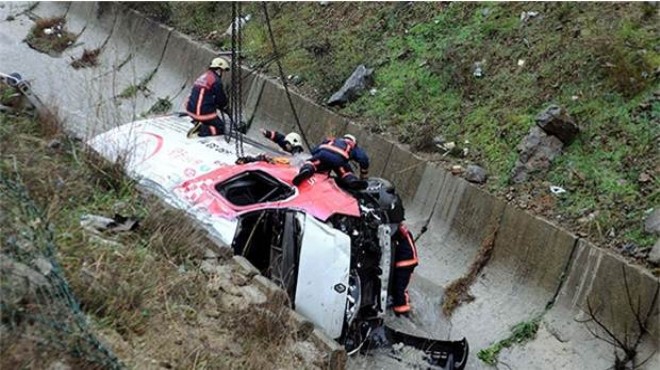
(525, 293)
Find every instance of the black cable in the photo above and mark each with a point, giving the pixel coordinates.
(236, 80)
(279, 66)
(233, 75)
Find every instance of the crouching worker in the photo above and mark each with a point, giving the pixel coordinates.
(291, 143)
(405, 261)
(334, 155)
(206, 98)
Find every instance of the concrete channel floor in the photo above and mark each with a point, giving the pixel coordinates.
(87, 100)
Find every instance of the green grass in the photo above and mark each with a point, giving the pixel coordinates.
(132, 90)
(520, 333)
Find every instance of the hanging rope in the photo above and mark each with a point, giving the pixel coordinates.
(279, 66)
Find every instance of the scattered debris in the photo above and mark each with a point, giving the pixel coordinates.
(295, 79)
(478, 70)
(521, 62)
(485, 12)
(537, 150)
(526, 16)
(97, 224)
(652, 222)
(357, 83)
(456, 169)
(476, 174)
(557, 190)
(54, 144)
(240, 22)
(644, 177)
(439, 141)
(588, 218)
(555, 121)
(373, 92)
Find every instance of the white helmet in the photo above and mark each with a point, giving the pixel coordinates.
(220, 63)
(294, 139)
(351, 138)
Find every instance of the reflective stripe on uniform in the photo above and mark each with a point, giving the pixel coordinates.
(200, 99)
(404, 307)
(342, 152)
(204, 117)
(414, 260)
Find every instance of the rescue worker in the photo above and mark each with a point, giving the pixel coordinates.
(291, 143)
(405, 261)
(206, 98)
(334, 155)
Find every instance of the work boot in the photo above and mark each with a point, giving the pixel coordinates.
(194, 132)
(305, 173)
(358, 185)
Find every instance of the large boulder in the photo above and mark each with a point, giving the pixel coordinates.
(537, 150)
(555, 121)
(360, 81)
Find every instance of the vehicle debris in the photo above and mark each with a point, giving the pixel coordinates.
(118, 223)
(526, 16)
(557, 190)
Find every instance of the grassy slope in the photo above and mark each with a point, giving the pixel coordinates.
(143, 290)
(599, 60)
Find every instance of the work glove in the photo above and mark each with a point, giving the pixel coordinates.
(266, 133)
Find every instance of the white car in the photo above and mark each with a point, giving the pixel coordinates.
(327, 247)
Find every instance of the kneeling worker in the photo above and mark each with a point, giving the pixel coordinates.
(208, 96)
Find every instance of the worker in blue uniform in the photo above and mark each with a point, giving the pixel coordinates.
(405, 261)
(206, 98)
(334, 154)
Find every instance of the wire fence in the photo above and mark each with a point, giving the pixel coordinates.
(37, 307)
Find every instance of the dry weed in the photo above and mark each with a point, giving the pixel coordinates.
(458, 291)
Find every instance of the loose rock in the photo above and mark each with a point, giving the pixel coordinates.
(654, 256)
(537, 150)
(476, 174)
(54, 144)
(360, 81)
(555, 121)
(652, 222)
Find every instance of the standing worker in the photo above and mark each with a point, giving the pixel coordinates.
(335, 154)
(291, 143)
(405, 261)
(206, 98)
